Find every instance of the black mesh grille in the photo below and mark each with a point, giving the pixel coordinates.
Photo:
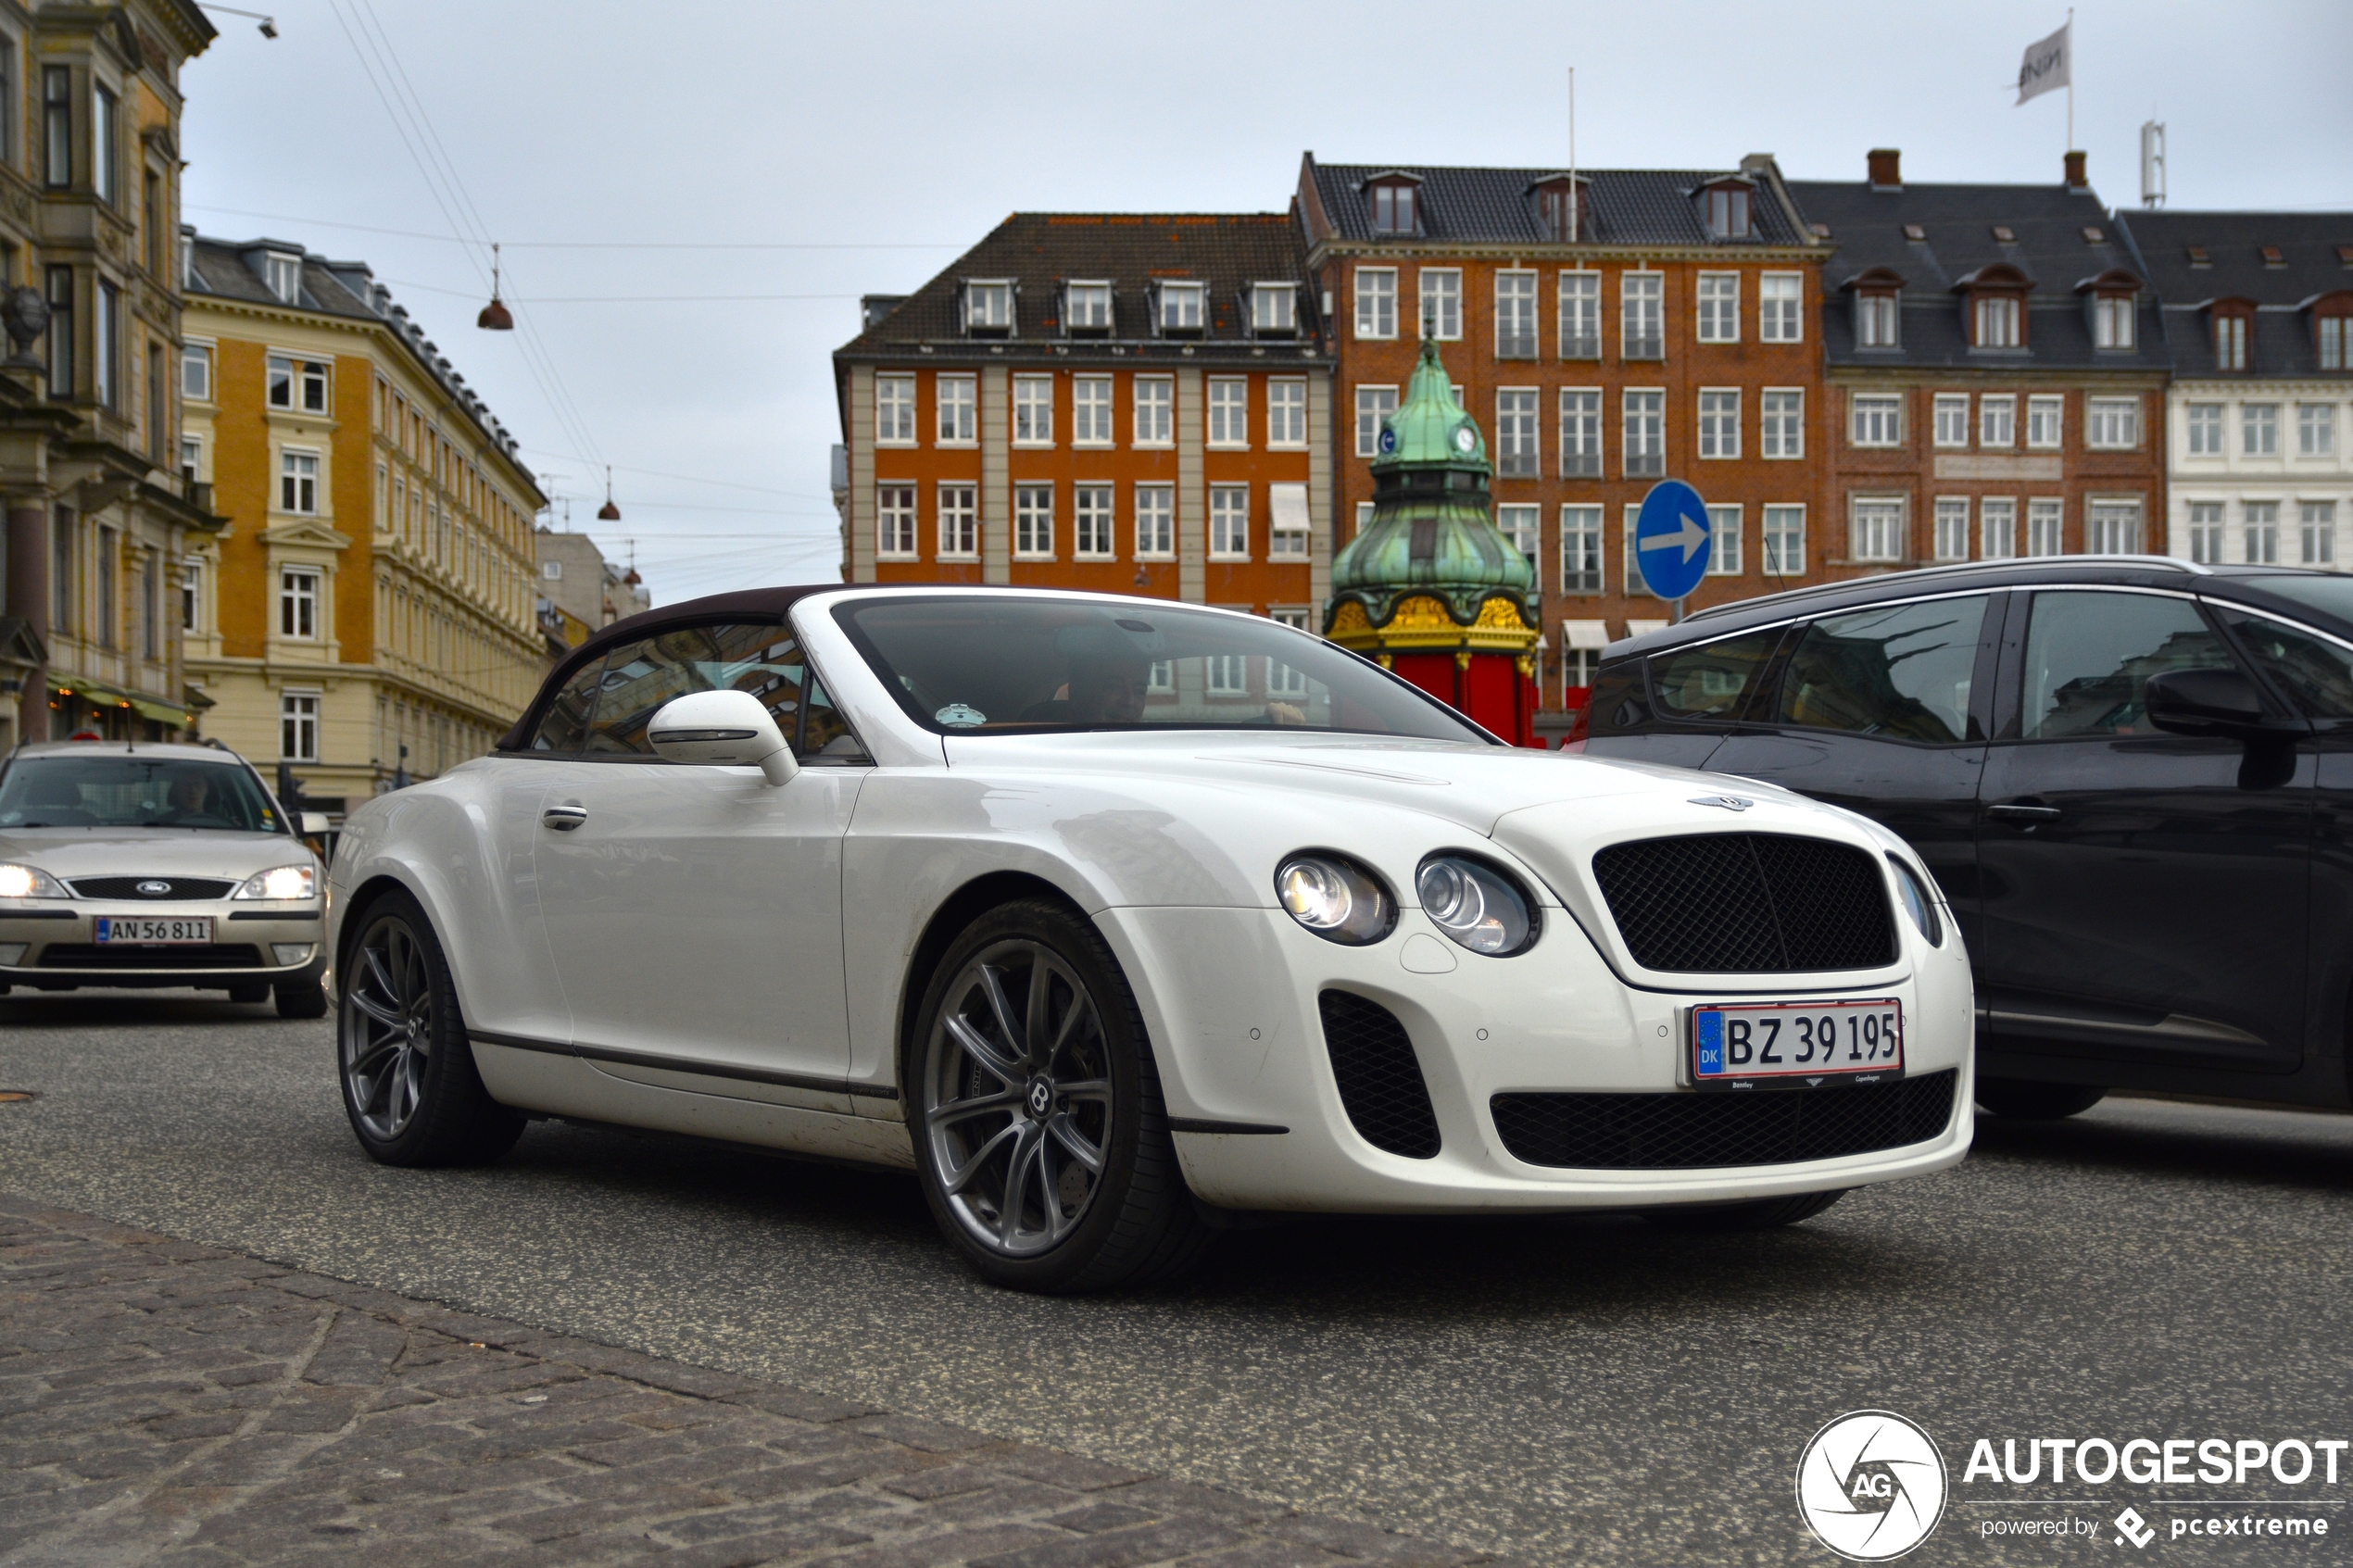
(91, 955)
(178, 887)
(1676, 1132)
(1748, 902)
(1380, 1081)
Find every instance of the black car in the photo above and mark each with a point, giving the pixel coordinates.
(2132, 775)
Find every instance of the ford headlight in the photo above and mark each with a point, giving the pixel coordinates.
(1919, 902)
(1337, 899)
(1475, 903)
(281, 882)
(27, 882)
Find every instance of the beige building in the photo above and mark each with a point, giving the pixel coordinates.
(581, 589)
(368, 615)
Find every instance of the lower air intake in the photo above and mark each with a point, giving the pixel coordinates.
(1381, 1080)
(1683, 1132)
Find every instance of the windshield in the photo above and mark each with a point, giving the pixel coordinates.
(120, 791)
(2328, 592)
(974, 665)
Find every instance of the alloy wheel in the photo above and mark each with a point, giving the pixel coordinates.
(387, 1028)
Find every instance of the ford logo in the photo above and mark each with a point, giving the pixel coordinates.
(154, 889)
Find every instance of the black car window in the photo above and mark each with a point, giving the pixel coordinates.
(1901, 672)
(1713, 681)
(566, 725)
(2317, 673)
(639, 677)
(2089, 657)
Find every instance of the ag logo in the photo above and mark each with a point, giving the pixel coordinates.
(1870, 1485)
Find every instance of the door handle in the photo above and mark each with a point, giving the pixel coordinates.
(563, 819)
(2016, 811)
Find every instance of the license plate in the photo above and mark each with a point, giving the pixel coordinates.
(141, 931)
(1796, 1045)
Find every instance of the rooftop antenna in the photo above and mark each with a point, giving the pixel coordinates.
(2153, 164)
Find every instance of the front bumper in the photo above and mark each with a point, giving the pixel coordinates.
(1230, 998)
(52, 945)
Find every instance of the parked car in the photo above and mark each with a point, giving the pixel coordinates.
(124, 863)
(1112, 916)
(2132, 775)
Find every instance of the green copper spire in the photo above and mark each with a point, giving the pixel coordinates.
(1430, 426)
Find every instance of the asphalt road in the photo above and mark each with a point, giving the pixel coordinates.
(1584, 1390)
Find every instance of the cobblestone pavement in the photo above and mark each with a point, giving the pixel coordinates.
(173, 1404)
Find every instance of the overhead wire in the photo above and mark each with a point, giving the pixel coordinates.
(578, 244)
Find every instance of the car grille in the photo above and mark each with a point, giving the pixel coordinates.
(1677, 1132)
(181, 887)
(91, 955)
(1748, 903)
(1381, 1080)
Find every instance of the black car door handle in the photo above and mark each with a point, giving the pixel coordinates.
(2014, 813)
(563, 819)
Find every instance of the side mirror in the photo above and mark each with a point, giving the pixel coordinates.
(2220, 703)
(711, 728)
(313, 823)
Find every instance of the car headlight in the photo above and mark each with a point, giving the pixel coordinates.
(1475, 903)
(1919, 902)
(1337, 899)
(281, 882)
(27, 882)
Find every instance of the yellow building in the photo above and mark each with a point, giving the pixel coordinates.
(368, 613)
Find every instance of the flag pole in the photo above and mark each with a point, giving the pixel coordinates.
(1572, 155)
(2070, 78)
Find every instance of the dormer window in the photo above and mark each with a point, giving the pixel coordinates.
(1395, 204)
(2333, 326)
(2112, 322)
(1875, 321)
(1994, 311)
(1274, 309)
(1180, 307)
(1086, 308)
(989, 306)
(2230, 318)
(281, 274)
(1727, 209)
(1997, 322)
(1557, 209)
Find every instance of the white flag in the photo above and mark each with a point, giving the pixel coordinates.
(2045, 65)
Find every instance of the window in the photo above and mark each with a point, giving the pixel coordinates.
(2259, 430)
(1374, 405)
(106, 150)
(1091, 515)
(895, 521)
(1724, 548)
(1087, 308)
(2112, 528)
(1875, 321)
(1229, 411)
(158, 412)
(1879, 419)
(1719, 423)
(1376, 302)
(192, 461)
(2206, 429)
(283, 275)
(2206, 533)
(1952, 528)
(2112, 322)
(1090, 411)
(2089, 657)
(1719, 308)
(196, 373)
(297, 727)
(2336, 343)
(1229, 522)
(1785, 541)
(2315, 430)
(1034, 522)
(2045, 419)
(1273, 308)
(2261, 536)
(1392, 209)
(959, 522)
(1997, 528)
(1997, 322)
(1281, 679)
(1582, 548)
(57, 126)
(1519, 453)
(298, 603)
(2046, 528)
(1877, 529)
(1180, 308)
(1524, 527)
(1033, 410)
(1441, 292)
(297, 482)
(894, 410)
(1781, 422)
(1997, 420)
(1228, 674)
(1514, 315)
(1155, 522)
(60, 345)
(2319, 532)
(302, 384)
(1728, 212)
(1713, 680)
(2230, 342)
(2113, 422)
(958, 401)
(1952, 419)
(1580, 433)
(989, 306)
(1780, 298)
(1581, 301)
(62, 554)
(1644, 441)
(1641, 305)
(106, 354)
(1156, 399)
(191, 583)
(1288, 525)
(1900, 673)
(1286, 413)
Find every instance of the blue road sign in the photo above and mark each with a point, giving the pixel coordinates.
(1672, 539)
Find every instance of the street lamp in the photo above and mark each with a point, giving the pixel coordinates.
(268, 24)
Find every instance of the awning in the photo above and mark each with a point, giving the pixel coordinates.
(162, 712)
(1637, 628)
(1584, 634)
(1289, 505)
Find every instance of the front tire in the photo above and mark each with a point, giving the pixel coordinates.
(1039, 1136)
(2023, 1099)
(1758, 1214)
(407, 1068)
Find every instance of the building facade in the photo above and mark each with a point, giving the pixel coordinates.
(579, 589)
(1130, 403)
(1609, 328)
(1996, 372)
(368, 615)
(99, 515)
(2259, 325)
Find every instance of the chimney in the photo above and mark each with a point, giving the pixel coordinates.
(1886, 166)
(2076, 178)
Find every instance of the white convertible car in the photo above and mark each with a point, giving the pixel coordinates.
(1114, 917)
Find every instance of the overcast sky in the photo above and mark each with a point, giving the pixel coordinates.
(886, 138)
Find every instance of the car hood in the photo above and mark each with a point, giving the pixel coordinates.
(71, 852)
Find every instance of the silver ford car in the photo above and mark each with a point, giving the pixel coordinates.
(126, 864)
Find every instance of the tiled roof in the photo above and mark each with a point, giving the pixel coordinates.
(1038, 251)
(2316, 258)
(1623, 206)
(2059, 238)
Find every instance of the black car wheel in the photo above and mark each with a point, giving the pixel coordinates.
(2027, 1100)
(1761, 1214)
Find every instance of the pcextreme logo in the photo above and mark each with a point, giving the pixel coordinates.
(1870, 1485)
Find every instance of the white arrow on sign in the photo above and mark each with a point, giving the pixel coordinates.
(1692, 536)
